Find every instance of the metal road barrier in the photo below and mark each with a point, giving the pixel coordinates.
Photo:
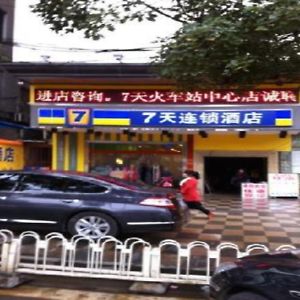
(132, 259)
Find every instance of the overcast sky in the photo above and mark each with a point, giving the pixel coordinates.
(39, 43)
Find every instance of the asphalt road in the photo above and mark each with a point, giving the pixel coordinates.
(66, 288)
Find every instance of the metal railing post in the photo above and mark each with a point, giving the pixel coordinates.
(155, 263)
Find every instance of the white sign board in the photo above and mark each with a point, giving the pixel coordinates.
(296, 161)
(255, 191)
(283, 185)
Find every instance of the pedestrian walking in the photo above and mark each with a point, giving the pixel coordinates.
(190, 193)
(239, 178)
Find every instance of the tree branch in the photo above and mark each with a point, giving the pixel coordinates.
(189, 16)
(161, 12)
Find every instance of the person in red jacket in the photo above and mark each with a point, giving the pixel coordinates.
(190, 193)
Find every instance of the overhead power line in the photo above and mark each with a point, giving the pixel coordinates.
(77, 49)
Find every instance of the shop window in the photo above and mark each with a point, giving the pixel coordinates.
(148, 163)
(37, 156)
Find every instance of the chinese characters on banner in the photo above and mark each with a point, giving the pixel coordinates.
(176, 119)
(283, 185)
(204, 118)
(267, 96)
(257, 191)
(186, 119)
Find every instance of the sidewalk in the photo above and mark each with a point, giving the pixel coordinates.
(30, 293)
(272, 222)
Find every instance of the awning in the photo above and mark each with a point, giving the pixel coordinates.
(7, 124)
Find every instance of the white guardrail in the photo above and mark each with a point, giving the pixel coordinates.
(108, 257)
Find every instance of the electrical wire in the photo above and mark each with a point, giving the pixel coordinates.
(55, 48)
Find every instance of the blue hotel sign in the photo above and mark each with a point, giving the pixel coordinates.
(81, 117)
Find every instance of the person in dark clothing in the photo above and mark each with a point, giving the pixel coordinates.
(239, 178)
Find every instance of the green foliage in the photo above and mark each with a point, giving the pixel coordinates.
(220, 42)
(248, 45)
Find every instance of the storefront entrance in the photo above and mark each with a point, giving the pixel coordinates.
(149, 163)
(219, 172)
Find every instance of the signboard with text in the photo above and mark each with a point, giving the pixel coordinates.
(11, 155)
(83, 117)
(283, 185)
(257, 191)
(219, 97)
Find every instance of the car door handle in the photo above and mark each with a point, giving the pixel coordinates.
(3, 198)
(70, 200)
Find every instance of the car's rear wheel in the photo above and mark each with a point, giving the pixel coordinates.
(93, 225)
(246, 296)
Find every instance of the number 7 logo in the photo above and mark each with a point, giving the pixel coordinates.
(79, 117)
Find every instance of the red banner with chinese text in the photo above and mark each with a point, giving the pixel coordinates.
(220, 97)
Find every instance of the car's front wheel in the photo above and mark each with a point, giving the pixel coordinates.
(93, 225)
(246, 296)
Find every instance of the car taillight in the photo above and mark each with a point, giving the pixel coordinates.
(253, 265)
(171, 196)
(159, 202)
(263, 266)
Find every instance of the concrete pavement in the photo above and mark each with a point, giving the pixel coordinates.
(272, 222)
